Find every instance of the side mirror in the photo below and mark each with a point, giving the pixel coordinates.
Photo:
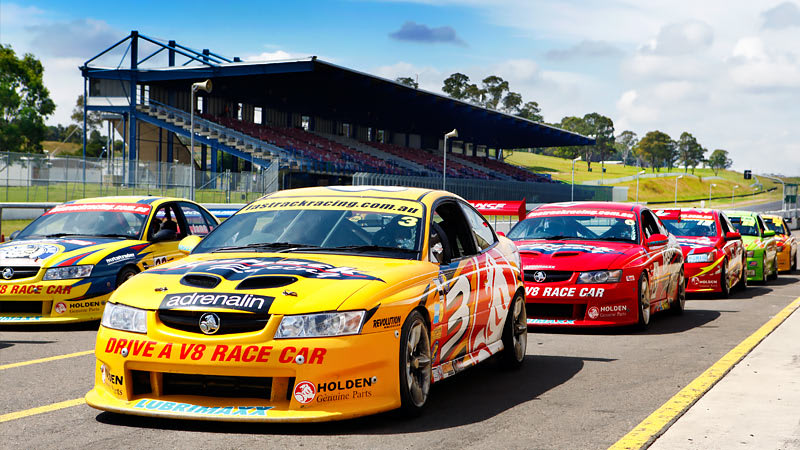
(500, 233)
(13, 235)
(732, 236)
(187, 244)
(657, 240)
(769, 233)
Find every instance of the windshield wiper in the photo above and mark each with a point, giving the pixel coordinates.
(563, 238)
(60, 235)
(616, 239)
(280, 246)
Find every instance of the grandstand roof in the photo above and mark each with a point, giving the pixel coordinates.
(315, 87)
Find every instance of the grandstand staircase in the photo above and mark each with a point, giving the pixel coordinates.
(364, 148)
(212, 134)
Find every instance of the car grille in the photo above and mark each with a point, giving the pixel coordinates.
(217, 386)
(22, 307)
(551, 276)
(20, 272)
(229, 322)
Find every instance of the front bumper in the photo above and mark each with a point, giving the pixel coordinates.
(246, 378)
(43, 305)
(703, 277)
(755, 267)
(583, 305)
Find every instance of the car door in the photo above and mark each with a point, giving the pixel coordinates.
(495, 287)
(732, 249)
(163, 245)
(770, 244)
(459, 274)
(657, 262)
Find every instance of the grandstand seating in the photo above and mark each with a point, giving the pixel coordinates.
(317, 152)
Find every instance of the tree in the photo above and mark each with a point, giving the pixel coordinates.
(602, 128)
(531, 111)
(576, 125)
(495, 88)
(456, 86)
(625, 143)
(655, 146)
(690, 152)
(719, 160)
(24, 102)
(408, 81)
(512, 102)
(475, 95)
(94, 119)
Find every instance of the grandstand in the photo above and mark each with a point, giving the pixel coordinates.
(318, 122)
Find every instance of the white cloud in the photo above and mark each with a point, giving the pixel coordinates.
(681, 38)
(277, 55)
(429, 78)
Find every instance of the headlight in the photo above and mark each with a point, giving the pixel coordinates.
(66, 272)
(751, 253)
(600, 276)
(700, 257)
(125, 318)
(320, 325)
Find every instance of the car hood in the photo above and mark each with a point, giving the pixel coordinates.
(692, 244)
(283, 283)
(576, 255)
(66, 252)
(753, 242)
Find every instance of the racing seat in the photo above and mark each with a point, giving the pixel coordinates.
(168, 232)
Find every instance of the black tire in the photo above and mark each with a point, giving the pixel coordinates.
(793, 265)
(644, 303)
(415, 365)
(725, 290)
(125, 274)
(515, 334)
(678, 305)
(764, 276)
(774, 275)
(742, 284)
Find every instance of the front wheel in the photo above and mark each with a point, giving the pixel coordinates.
(742, 284)
(644, 303)
(125, 274)
(774, 274)
(764, 269)
(415, 365)
(679, 304)
(724, 286)
(515, 334)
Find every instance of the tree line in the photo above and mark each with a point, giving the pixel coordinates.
(655, 150)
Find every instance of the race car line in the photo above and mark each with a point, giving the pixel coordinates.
(657, 423)
(49, 358)
(42, 409)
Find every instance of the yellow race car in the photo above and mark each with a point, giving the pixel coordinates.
(314, 304)
(787, 243)
(64, 265)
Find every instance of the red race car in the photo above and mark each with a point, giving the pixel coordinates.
(598, 264)
(712, 249)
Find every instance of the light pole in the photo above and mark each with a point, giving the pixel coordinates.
(709, 193)
(572, 195)
(204, 86)
(637, 185)
(733, 196)
(676, 188)
(452, 134)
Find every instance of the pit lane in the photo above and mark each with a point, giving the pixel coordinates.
(577, 389)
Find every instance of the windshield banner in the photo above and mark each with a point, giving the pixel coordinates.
(134, 208)
(378, 205)
(582, 212)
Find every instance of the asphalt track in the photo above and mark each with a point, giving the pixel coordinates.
(577, 389)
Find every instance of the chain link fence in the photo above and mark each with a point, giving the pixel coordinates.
(39, 178)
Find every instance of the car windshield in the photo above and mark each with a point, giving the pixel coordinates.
(588, 227)
(123, 220)
(375, 230)
(746, 225)
(692, 227)
(776, 227)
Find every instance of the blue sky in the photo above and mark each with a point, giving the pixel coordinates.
(728, 71)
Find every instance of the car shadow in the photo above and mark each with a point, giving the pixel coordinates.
(7, 344)
(92, 325)
(473, 396)
(660, 323)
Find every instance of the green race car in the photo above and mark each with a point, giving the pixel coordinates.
(760, 245)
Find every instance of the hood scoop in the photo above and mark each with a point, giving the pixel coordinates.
(266, 282)
(566, 253)
(201, 281)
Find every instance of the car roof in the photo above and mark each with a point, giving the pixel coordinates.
(396, 192)
(739, 213)
(142, 199)
(607, 206)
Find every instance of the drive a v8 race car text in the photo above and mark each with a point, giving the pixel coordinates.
(786, 242)
(712, 249)
(760, 245)
(64, 265)
(314, 304)
(598, 264)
